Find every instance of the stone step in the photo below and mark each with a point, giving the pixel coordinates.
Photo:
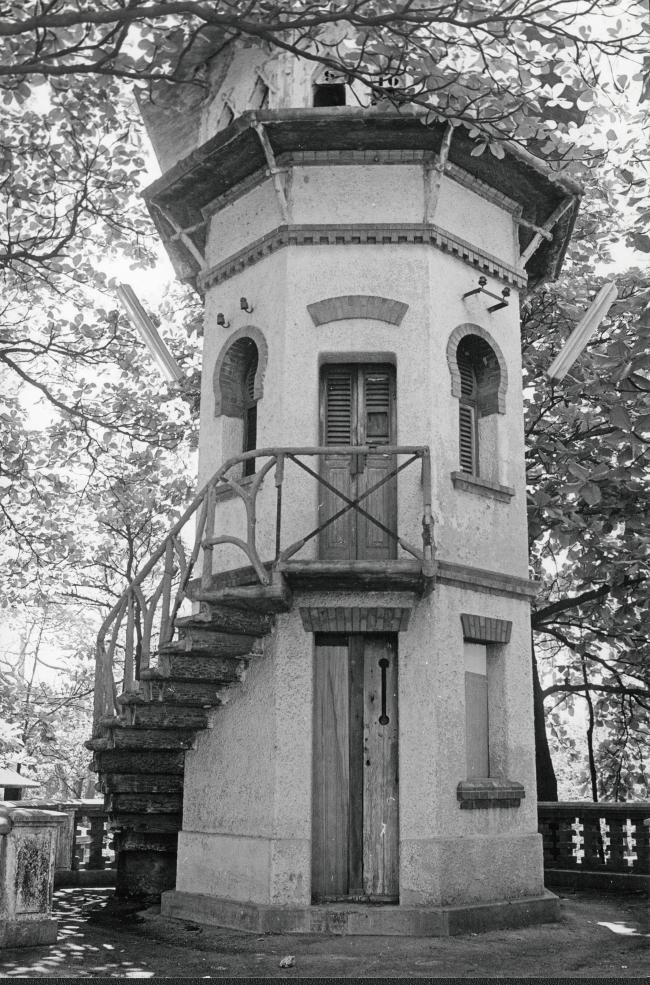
(130, 737)
(146, 823)
(141, 783)
(199, 694)
(221, 644)
(151, 761)
(144, 803)
(263, 599)
(160, 714)
(192, 667)
(226, 619)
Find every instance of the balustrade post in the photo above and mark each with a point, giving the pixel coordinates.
(617, 836)
(129, 679)
(96, 849)
(166, 629)
(208, 532)
(594, 855)
(279, 479)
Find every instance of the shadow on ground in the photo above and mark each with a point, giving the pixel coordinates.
(598, 936)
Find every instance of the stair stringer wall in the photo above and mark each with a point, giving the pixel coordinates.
(246, 831)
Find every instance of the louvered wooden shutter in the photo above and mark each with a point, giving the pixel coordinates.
(467, 438)
(467, 375)
(338, 416)
(377, 406)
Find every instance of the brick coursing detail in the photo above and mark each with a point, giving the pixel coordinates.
(355, 619)
(357, 306)
(367, 234)
(488, 793)
(228, 371)
(484, 629)
(497, 403)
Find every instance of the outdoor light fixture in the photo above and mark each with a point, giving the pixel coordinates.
(221, 320)
(502, 302)
(580, 334)
(245, 306)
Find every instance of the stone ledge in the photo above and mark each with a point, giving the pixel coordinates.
(481, 487)
(489, 792)
(486, 581)
(360, 919)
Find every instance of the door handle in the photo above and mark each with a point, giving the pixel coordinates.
(383, 718)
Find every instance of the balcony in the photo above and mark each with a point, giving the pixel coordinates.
(353, 518)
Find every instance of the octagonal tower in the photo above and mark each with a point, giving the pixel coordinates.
(361, 272)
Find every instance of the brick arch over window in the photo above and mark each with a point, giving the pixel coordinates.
(230, 368)
(493, 389)
(357, 306)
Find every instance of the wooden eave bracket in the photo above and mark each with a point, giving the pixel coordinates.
(184, 236)
(433, 173)
(544, 232)
(274, 171)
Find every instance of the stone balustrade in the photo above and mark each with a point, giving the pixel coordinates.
(84, 853)
(595, 845)
(28, 843)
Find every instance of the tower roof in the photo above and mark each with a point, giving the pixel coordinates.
(237, 154)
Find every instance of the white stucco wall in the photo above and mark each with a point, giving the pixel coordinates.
(247, 810)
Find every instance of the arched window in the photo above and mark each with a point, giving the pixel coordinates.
(238, 394)
(480, 379)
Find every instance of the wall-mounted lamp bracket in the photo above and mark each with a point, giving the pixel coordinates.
(245, 306)
(502, 302)
(221, 320)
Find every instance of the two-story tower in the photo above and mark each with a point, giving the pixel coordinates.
(361, 270)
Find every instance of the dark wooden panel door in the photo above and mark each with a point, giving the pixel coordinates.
(331, 779)
(355, 769)
(358, 408)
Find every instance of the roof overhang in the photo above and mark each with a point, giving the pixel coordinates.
(236, 154)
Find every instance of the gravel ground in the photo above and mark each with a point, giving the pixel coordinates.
(599, 936)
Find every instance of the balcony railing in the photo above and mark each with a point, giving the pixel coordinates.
(143, 619)
(585, 838)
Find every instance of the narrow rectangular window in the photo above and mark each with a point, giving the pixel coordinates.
(476, 711)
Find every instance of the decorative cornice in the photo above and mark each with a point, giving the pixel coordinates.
(357, 306)
(484, 581)
(481, 487)
(355, 619)
(365, 234)
(485, 629)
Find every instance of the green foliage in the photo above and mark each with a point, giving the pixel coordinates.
(588, 455)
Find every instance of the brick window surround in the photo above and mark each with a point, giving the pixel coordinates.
(228, 369)
(498, 404)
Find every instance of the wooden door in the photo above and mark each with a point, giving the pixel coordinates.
(358, 408)
(355, 769)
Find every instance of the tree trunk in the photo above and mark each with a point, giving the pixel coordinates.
(546, 781)
(593, 776)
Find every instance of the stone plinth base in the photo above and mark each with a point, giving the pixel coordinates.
(358, 918)
(28, 933)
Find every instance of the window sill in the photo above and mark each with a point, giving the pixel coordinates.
(226, 492)
(482, 794)
(481, 487)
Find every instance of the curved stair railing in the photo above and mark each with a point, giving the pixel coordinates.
(143, 618)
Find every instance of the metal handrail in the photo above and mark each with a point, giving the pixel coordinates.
(163, 604)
